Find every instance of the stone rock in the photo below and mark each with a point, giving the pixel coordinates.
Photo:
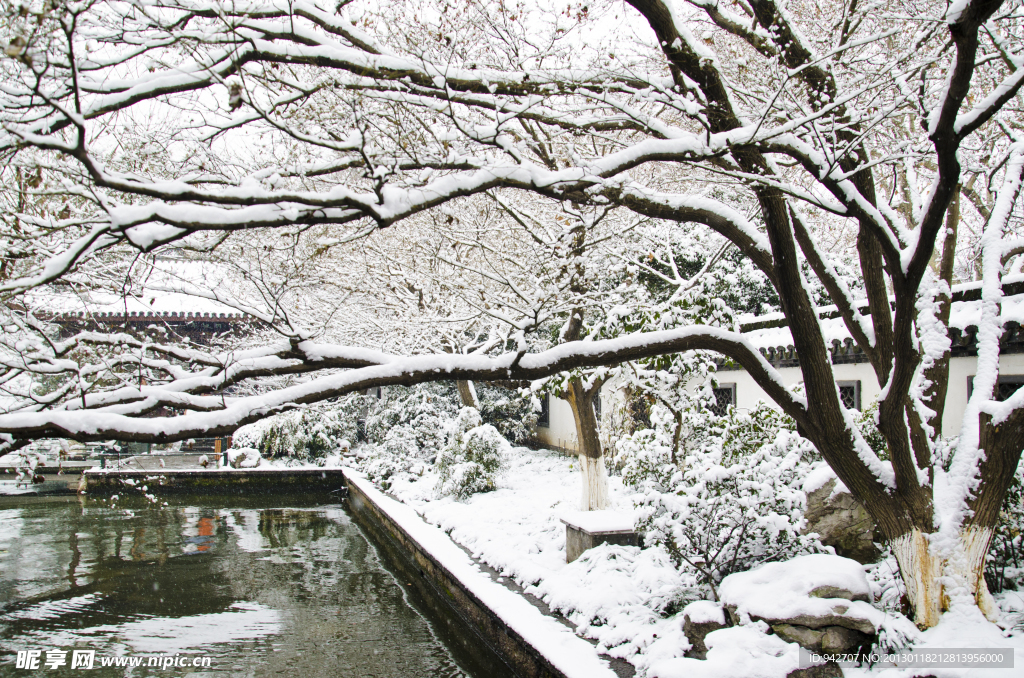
(697, 625)
(812, 622)
(801, 635)
(821, 621)
(829, 639)
(841, 522)
(827, 670)
(837, 639)
(837, 592)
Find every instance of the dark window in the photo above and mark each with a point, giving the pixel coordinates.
(1005, 387)
(597, 406)
(849, 394)
(725, 395)
(544, 419)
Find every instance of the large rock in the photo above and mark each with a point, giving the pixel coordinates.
(699, 619)
(840, 520)
(819, 602)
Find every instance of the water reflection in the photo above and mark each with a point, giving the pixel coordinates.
(263, 590)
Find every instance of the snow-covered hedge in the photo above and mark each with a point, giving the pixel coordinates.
(732, 500)
(412, 422)
(1005, 566)
(507, 411)
(311, 434)
(475, 455)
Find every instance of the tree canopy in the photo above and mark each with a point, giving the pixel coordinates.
(867, 154)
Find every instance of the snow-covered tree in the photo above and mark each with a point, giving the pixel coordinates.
(800, 133)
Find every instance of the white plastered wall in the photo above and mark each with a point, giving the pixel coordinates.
(748, 393)
(561, 432)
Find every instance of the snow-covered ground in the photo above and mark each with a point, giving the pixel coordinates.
(626, 598)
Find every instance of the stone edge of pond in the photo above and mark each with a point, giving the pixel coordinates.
(529, 642)
(213, 481)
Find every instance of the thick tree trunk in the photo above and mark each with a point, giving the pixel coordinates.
(595, 478)
(934, 583)
(467, 394)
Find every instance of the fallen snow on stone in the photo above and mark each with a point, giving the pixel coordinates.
(736, 652)
(816, 585)
(600, 521)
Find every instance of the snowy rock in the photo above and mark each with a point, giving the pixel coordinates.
(244, 457)
(700, 618)
(817, 601)
(838, 518)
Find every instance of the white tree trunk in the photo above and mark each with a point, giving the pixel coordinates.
(595, 483)
(936, 582)
(467, 394)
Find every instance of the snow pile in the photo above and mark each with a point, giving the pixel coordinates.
(622, 597)
(736, 652)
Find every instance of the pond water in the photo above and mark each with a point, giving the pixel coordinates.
(273, 587)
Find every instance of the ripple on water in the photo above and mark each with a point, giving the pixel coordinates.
(261, 588)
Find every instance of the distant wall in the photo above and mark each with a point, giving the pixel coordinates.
(749, 393)
(561, 432)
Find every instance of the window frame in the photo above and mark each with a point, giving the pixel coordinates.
(855, 384)
(731, 387)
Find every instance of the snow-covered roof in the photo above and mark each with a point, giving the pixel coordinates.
(162, 289)
(773, 338)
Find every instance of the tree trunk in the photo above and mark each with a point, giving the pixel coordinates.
(935, 582)
(467, 394)
(938, 374)
(595, 478)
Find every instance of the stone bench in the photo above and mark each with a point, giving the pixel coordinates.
(586, 529)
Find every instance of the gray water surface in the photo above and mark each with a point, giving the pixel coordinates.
(274, 587)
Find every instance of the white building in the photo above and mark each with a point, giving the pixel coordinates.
(858, 385)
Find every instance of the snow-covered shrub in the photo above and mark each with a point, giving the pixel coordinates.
(1004, 568)
(732, 501)
(507, 411)
(380, 466)
(423, 412)
(308, 435)
(474, 456)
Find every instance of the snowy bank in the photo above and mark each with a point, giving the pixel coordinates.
(632, 601)
(570, 655)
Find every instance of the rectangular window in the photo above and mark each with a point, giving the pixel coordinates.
(597, 406)
(1005, 387)
(849, 394)
(725, 395)
(544, 419)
